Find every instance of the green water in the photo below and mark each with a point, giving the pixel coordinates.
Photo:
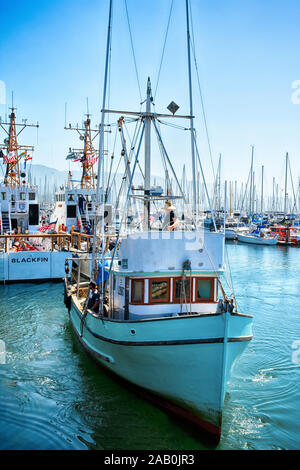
(53, 397)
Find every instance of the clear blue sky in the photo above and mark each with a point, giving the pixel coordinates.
(248, 55)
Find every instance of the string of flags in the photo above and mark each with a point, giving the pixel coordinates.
(76, 157)
(11, 157)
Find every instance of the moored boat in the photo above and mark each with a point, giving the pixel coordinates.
(158, 321)
(285, 235)
(165, 329)
(257, 237)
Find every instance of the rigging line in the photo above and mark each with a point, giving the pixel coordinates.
(136, 135)
(126, 202)
(200, 92)
(173, 125)
(133, 53)
(164, 46)
(295, 204)
(229, 280)
(132, 147)
(173, 171)
(167, 177)
(204, 181)
(111, 164)
(246, 191)
(114, 178)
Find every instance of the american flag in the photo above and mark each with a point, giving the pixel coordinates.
(91, 158)
(46, 227)
(9, 158)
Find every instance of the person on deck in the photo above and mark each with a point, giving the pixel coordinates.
(81, 202)
(88, 228)
(170, 219)
(94, 298)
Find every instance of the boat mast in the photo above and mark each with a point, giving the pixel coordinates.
(262, 190)
(194, 196)
(101, 149)
(229, 198)
(11, 146)
(219, 185)
(88, 155)
(273, 197)
(251, 180)
(146, 220)
(285, 184)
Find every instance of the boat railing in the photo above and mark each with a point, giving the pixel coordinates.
(61, 241)
(35, 242)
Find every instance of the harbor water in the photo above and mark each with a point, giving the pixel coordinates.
(53, 397)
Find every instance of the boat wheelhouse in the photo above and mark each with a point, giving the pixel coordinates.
(19, 207)
(177, 275)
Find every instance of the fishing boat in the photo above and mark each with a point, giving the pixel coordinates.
(161, 325)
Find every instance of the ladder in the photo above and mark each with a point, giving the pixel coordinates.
(5, 222)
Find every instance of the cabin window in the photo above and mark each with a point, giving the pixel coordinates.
(22, 196)
(137, 291)
(182, 290)
(31, 196)
(204, 290)
(71, 212)
(70, 198)
(3, 196)
(159, 291)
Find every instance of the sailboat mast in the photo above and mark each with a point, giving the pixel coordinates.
(251, 180)
(262, 190)
(285, 183)
(194, 195)
(273, 197)
(147, 188)
(219, 185)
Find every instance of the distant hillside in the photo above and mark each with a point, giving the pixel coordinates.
(53, 176)
(49, 180)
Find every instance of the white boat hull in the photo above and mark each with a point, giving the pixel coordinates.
(257, 240)
(32, 265)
